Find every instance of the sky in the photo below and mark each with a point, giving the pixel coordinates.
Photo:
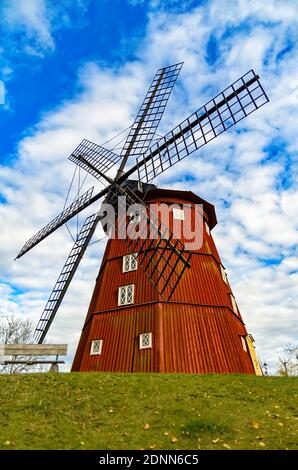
(79, 69)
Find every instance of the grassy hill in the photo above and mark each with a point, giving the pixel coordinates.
(121, 411)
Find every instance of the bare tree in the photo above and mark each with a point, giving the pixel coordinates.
(288, 365)
(15, 330)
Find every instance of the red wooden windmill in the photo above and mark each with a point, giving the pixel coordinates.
(158, 305)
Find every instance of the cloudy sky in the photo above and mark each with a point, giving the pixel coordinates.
(79, 69)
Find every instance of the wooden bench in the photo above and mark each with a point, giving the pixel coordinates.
(34, 350)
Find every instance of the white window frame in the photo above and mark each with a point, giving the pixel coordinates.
(134, 217)
(93, 350)
(244, 345)
(207, 228)
(126, 289)
(141, 338)
(178, 214)
(132, 259)
(234, 304)
(224, 274)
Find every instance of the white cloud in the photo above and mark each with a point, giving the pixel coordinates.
(257, 214)
(30, 17)
(30, 25)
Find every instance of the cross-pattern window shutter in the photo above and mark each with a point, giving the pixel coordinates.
(145, 340)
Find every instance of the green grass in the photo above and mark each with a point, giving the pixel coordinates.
(148, 411)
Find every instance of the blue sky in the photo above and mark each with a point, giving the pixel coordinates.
(101, 31)
(79, 69)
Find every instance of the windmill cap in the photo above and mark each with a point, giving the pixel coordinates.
(175, 196)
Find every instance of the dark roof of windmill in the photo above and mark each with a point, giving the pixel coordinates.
(186, 195)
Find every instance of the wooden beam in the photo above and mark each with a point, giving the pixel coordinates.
(33, 349)
(31, 363)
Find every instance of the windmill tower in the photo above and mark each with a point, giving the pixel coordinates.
(158, 305)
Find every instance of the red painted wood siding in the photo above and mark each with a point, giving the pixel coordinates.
(196, 332)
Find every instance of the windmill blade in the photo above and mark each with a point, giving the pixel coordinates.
(226, 109)
(163, 260)
(74, 208)
(150, 113)
(230, 106)
(162, 257)
(101, 158)
(65, 277)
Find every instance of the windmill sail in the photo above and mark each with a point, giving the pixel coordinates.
(234, 103)
(65, 277)
(148, 118)
(74, 208)
(230, 106)
(163, 257)
(101, 158)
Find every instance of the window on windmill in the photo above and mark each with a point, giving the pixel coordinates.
(96, 347)
(178, 214)
(145, 340)
(130, 263)
(224, 274)
(244, 345)
(134, 217)
(234, 305)
(126, 294)
(207, 228)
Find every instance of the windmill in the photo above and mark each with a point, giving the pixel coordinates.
(164, 259)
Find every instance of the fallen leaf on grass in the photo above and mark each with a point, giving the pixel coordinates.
(255, 425)
(227, 446)
(146, 426)
(262, 444)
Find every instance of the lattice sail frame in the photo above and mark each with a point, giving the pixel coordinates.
(74, 208)
(194, 132)
(100, 157)
(163, 257)
(230, 106)
(65, 277)
(148, 118)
